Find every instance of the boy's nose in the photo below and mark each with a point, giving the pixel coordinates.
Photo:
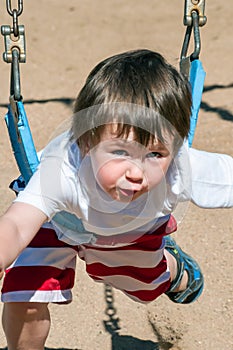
(134, 173)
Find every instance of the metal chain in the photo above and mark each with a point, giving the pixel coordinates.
(15, 48)
(112, 324)
(9, 8)
(15, 13)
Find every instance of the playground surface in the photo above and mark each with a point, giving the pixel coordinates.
(65, 40)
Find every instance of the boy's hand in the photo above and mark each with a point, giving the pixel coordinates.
(1, 274)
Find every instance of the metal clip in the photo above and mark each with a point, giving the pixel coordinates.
(12, 42)
(184, 60)
(15, 114)
(194, 5)
(15, 89)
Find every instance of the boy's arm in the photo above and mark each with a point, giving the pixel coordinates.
(212, 179)
(17, 228)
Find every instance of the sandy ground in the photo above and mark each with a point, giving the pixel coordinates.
(65, 39)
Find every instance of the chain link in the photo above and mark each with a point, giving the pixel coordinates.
(18, 11)
(112, 324)
(15, 13)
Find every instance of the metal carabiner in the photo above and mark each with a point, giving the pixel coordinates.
(197, 41)
(196, 34)
(15, 90)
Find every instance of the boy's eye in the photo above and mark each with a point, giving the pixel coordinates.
(120, 152)
(154, 155)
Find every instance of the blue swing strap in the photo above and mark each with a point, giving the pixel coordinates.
(196, 78)
(16, 119)
(21, 139)
(191, 66)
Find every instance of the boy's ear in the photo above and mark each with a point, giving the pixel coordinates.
(87, 149)
(84, 146)
(87, 146)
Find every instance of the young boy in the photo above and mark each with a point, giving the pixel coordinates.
(106, 190)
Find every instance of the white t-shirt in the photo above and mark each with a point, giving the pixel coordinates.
(65, 189)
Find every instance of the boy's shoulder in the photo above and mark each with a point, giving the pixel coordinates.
(63, 148)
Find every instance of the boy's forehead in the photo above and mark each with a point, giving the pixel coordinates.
(111, 133)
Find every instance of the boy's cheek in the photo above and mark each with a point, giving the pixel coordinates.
(103, 175)
(155, 177)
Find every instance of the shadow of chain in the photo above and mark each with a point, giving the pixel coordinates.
(112, 326)
(224, 114)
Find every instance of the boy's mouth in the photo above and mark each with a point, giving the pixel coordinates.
(128, 195)
(126, 192)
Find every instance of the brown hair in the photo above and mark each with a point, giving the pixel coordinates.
(136, 89)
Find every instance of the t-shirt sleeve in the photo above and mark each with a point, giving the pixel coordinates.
(52, 187)
(44, 193)
(212, 179)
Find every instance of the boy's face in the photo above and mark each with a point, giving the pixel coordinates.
(124, 168)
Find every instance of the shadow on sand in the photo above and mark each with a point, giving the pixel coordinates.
(221, 112)
(126, 342)
(50, 349)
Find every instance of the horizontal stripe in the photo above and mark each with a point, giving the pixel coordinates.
(146, 275)
(137, 258)
(46, 237)
(138, 269)
(44, 278)
(148, 242)
(55, 296)
(146, 296)
(59, 257)
(132, 284)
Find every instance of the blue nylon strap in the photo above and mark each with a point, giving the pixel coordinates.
(196, 78)
(21, 141)
(27, 160)
(69, 221)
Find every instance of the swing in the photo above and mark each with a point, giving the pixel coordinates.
(16, 118)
